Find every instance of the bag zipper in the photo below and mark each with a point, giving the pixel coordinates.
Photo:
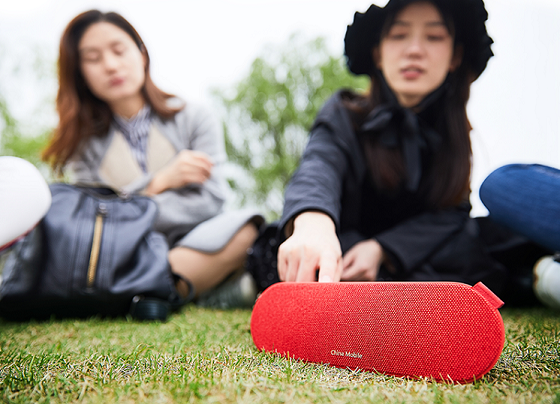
(96, 244)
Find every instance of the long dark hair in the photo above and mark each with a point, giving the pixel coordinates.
(450, 170)
(81, 114)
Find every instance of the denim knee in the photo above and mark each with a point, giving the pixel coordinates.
(496, 184)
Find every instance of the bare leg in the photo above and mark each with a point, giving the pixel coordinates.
(207, 270)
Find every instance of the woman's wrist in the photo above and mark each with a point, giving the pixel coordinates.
(156, 185)
(314, 220)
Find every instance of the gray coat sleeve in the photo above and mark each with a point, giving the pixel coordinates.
(182, 209)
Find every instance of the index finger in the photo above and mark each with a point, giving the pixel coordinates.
(328, 268)
(307, 265)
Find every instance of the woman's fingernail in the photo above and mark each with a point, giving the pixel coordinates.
(325, 278)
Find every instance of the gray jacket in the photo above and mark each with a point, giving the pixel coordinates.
(108, 161)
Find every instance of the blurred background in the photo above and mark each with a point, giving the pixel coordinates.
(266, 66)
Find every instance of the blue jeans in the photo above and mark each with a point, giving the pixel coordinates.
(526, 199)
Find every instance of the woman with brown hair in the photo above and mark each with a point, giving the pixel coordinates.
(118, 130)
(382, 191)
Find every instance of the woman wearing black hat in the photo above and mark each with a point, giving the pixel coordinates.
(382, 191)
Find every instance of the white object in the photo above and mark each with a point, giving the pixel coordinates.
(24, 198)
(547, 282)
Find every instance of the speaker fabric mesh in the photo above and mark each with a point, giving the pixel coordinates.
(444, 331)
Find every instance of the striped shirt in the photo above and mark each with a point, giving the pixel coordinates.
(135, 131)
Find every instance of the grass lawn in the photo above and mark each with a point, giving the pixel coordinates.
(208, 356)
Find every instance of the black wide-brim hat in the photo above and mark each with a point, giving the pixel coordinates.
(469, 19)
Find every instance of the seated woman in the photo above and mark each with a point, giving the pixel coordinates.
(118, 130)
(382, 191)
(526, 199)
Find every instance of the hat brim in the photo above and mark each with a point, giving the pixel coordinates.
(469, 18)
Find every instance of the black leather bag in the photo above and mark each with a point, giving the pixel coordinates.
(94, 253)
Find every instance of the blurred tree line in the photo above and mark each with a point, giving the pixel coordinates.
(269, 113)
(267, 116)
(15, 142)
(28, 77)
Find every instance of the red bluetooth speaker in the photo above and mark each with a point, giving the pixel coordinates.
(444, 331)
